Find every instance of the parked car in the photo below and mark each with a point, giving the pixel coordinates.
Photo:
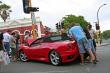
(54, 49)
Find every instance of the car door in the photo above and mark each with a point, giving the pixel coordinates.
(35, 49)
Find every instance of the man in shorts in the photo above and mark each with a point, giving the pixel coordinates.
(78, 34)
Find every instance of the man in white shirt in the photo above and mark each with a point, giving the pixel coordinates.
(93, 35)
(6, 40)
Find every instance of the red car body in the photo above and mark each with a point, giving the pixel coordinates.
(41, 50)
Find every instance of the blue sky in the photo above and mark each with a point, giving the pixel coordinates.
(51, 11)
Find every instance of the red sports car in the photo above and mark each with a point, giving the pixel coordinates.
(54, 49)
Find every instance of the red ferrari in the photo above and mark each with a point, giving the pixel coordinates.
(54, 49)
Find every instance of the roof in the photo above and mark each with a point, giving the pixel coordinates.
(18, 22)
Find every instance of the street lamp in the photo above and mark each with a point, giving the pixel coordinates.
(98, 13)
(0, 1)
(98, 20)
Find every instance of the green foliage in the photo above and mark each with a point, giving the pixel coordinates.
(4, 6)
(106, 34)
(68, 19)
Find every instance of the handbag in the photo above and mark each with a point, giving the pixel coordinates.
(6, 58)
(1, 55)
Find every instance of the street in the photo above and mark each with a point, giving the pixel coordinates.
(55, 31)
(103, 66)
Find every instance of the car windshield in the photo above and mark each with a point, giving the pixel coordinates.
(57, 38)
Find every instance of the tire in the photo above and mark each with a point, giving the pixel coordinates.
(54, 58)
(22, 56)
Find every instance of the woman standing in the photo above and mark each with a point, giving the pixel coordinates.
(13, 46)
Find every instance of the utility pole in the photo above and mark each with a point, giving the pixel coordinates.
(33, 21)
(27, 7)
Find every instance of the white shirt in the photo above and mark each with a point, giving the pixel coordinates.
(6, 37)
(92, 33)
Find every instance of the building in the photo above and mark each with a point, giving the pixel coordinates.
(21, 26)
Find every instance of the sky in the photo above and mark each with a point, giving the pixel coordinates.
(52, 11)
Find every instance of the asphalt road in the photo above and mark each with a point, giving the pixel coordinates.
(103, 66)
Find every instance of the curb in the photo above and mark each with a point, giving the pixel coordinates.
(103, 45)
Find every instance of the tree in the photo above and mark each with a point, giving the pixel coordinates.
(76, 19)
(3, 11)
(106, 34)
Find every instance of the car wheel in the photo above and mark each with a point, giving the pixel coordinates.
(55, 58)
(22, 56)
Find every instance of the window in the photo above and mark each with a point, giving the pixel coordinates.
(56, 38)
(37, 42)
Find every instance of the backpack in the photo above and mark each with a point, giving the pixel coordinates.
(1, 35)
(1, 38)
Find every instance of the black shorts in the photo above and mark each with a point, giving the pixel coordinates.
(94, 43)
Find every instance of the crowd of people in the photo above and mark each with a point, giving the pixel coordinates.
(85, 41)
(9, 43)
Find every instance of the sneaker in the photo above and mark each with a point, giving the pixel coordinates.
(82, 64)
(97, 60)
(87, 61)
(18, 59)
(94, 62)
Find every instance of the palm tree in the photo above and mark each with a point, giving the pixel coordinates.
(3, 11)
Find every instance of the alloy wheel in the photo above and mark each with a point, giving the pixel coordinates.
(23, 57)
(55, 58)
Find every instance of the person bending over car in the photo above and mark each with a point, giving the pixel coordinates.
(78, 34)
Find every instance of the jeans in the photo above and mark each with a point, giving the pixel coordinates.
(7, 47)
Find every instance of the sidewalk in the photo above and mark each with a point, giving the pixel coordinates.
(102, 44)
